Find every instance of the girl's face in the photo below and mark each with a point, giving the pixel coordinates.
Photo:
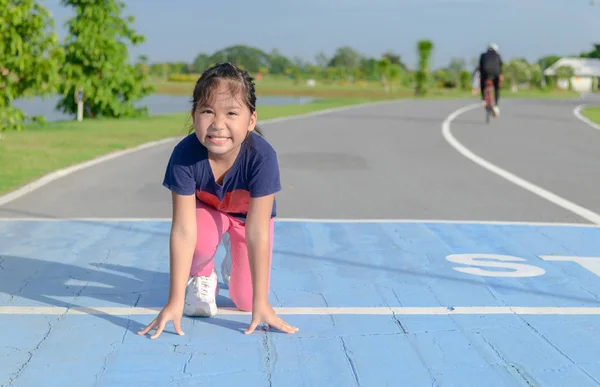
(223, 125)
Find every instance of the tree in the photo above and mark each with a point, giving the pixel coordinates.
(383, 68)
(517, 71)
(97, 61)
(278, 63)
(395, 59)
(565, 73)
(395, 75)
(424, 47)
(547, 61)
(346, 57)
(30, 56)
(201, 63)
(455, 67)
(595, 53)
(250, 58)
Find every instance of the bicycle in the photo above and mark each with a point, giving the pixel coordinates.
(489, 100)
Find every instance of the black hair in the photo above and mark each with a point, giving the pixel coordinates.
(240, 83)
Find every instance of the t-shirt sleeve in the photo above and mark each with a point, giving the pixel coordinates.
(264, 177)
(180, 176)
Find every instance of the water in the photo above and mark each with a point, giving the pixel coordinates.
(156, 103)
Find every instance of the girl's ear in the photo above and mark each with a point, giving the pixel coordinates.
(252, 123)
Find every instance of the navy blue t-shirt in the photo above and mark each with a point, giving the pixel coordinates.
(255, 173)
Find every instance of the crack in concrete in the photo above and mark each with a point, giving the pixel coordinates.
(113, 349)
(398, 323)
(187, 363)
(513, 369)
(270, 358)
(350, 362)
(281, 303)
(541, 335)
(331, 317)
(13, 378)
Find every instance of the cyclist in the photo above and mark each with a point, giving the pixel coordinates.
(490, 67)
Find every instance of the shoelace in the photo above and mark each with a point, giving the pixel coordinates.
(201, 286)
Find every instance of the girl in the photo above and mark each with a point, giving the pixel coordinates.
(223, 179)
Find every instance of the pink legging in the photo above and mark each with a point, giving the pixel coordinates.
(212, 224)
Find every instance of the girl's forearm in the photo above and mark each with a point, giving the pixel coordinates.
(259, 255)
(181, 252)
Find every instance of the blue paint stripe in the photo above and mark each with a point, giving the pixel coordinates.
(316, 265)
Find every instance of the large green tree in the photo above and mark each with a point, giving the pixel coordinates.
(250, 58)
(98, 61)
(30, 56)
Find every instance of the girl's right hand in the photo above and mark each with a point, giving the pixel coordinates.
(171, 312)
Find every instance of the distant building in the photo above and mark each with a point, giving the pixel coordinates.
(586, 73)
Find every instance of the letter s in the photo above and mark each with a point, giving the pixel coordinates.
(519, 269)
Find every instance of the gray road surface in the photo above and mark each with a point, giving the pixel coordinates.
(387, 161)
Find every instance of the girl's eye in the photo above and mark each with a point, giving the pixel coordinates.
(206, 111)
(233, 113)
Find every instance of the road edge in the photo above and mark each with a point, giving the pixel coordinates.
(581, 117)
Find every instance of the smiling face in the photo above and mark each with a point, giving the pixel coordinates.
(223, 120)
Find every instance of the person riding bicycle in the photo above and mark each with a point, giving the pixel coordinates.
(490, 67)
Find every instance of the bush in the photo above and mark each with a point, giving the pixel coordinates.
(465, 80)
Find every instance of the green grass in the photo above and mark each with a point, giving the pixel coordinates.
(592, 113)
(39, 150)
(277, 86)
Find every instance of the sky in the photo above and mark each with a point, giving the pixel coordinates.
(178, 30)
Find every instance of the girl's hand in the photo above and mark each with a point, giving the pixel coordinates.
(264, 313)
(171, 311)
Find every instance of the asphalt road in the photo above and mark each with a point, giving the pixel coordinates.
(380, 161)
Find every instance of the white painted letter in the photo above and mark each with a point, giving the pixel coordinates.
(520, 269)
(590, 263)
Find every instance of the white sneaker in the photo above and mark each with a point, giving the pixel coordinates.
(226, 265)
(201, 296)
(496, 111)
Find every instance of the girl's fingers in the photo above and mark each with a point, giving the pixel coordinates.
(161, 326)
(285, 327)
(177, 325)
(148, 328)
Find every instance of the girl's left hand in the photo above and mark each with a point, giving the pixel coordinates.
(264, 313)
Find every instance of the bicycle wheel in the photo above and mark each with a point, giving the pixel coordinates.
(488, 107)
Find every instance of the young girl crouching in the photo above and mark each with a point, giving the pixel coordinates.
(223, 178)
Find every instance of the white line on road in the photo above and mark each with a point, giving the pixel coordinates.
(541, 192)
(317, 220)
(577, 113)
(432, 310)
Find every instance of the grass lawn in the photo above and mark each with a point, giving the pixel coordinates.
(286, 87)
(592, 113)
(39, 150)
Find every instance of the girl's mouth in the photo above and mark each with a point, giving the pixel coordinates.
(218, 140)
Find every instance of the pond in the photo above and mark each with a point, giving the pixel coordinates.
(156, 103)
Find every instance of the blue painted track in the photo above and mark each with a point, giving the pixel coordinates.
(366, 267)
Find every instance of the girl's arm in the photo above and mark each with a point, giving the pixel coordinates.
(182, 245)
(258, 240)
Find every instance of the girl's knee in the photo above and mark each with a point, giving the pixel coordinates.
(243, 303)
